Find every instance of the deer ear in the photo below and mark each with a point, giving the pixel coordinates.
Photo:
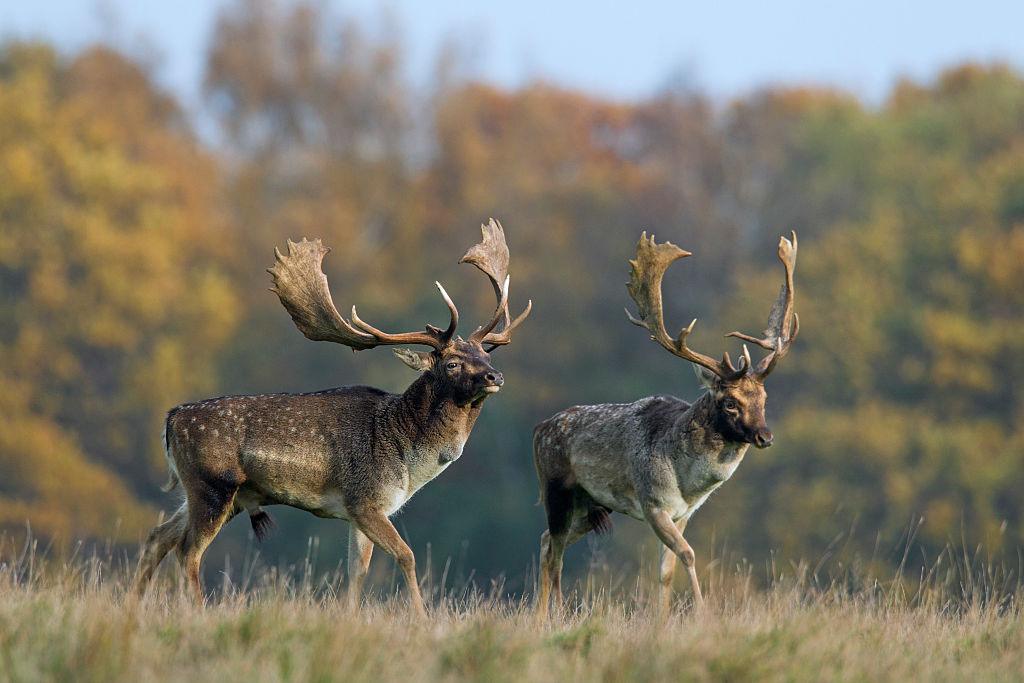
(707, 379)
(418, 361)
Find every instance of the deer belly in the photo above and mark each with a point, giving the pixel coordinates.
(614, 493)
(286, 476)
(610, 488)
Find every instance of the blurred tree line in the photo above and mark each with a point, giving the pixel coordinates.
(132, 257)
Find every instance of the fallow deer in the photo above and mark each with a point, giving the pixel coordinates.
(657, 459)
(355, 452)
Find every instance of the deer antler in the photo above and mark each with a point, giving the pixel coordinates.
(783, 322)
(491, 257)
(646, 273)
(302, 287)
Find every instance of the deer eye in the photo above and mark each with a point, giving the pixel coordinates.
(729, 404)
(452, 364)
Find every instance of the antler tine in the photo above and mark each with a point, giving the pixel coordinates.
(491, 257)
(433, 336)
(499, 312)
(301, 285)
(453, 312)
(783, 322)
(745, 364)
(646, 273)
(496, 339)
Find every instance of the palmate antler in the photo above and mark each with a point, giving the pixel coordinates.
(646, 273)
(783, 322)
(301, 285)
(491, 257)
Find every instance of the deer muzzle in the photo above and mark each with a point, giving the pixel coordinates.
(763, 438)
(494, 380)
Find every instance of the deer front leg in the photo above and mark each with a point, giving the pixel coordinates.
(668, 570)
(672, 537)
(379, 529)
(360, 550)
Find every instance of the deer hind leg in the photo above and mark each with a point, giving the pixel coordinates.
(558, 504)
(672, 537)
(210, 506)
(579, 521)
(161, 539)
(379, 529)
(550, 572)
(360, 550)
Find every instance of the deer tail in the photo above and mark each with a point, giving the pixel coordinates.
(172, 471)
(171, 483)
(536, 464)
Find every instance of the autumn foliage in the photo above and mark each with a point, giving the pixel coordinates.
(132, 256)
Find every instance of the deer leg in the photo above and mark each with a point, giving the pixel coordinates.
(552, 554)
(161, 539)
(668, 570)
(552, 550)
(672, 537)
(360, 550)
(560, 509)
(383, 533)
(544, 576)
(210, 505)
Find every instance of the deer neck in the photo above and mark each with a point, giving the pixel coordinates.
(432, 420)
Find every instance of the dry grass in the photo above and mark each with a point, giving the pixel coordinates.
(70, 620)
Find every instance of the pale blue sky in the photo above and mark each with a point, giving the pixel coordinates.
(622, 49)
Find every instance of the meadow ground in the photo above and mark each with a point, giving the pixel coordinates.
(70, 620)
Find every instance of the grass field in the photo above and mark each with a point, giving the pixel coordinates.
(70, 620)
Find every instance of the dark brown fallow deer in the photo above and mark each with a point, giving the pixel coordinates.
(657, 459)
(355, 453)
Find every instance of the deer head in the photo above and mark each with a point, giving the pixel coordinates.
(737, 392)
(461, 368)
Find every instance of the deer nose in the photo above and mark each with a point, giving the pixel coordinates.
(495, 378)
(763, 438)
